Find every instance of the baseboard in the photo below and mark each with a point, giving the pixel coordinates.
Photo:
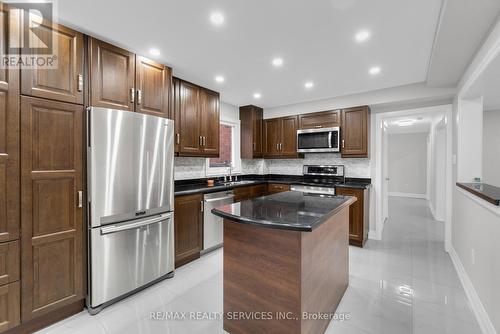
(477, 307)
(409, 195)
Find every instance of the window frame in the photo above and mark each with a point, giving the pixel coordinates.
(235, 153)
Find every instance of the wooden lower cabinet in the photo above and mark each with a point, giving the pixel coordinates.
(9, 306)
(273, 188)
(188, 228)
(52, 258)
(244, 193)
(358, 214)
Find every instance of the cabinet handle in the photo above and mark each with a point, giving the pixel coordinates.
(139, 96)
(201, 141)
(202, 206)
(254, 146)
(277, 147)
(318, 126)
(281, 146)
(132, 95)
(80, 199)
(204, 141)
(80, 82)
(178, 138)
(343, 143)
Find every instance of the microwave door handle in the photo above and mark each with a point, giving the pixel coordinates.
(330, 145)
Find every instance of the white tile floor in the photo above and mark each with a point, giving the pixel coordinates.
(403, 284)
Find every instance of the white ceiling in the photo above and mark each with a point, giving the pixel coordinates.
(463, 27)
(487, 86)
(314, 38)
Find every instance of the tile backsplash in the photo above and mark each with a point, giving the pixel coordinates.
(192, 168)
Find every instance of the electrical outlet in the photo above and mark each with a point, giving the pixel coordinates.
(473, 256)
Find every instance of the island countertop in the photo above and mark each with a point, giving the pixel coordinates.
(290, 210)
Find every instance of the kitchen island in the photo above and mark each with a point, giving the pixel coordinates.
(286, 262)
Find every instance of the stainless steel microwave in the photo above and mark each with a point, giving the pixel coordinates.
(318, 140)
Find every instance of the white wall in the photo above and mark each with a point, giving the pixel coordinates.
(390, 99)
(470, 139)
(407, 164)
(475, 223)
(491, 147)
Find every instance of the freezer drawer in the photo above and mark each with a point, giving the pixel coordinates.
(129, 255)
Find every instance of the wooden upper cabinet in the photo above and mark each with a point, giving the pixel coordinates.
(251, 132)
(197, 120)
(153, 87)
(9, 141)
(280, 137)
(288, 142)
(51, 220)
(324, 119)
(271, 131)
(354, 131)
(188, 228)
(112, 76)
(65, 82)
(190, 138)
(209, 122)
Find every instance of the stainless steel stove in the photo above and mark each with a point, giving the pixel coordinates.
(321, 179)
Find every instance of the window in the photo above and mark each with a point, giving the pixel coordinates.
(229, 151)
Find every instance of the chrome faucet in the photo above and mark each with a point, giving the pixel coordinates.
(230, 173)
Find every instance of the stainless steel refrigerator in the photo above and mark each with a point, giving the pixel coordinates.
(130, 180)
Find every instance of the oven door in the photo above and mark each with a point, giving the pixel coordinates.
(318, 140)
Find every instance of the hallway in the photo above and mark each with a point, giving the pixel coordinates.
(405, 283)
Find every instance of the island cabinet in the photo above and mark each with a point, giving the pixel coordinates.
(358, 214)
(355, 132)
(251, 132)
(188, 228)
(119, 79)
(318, 120)
(197, 118)
(280, 137)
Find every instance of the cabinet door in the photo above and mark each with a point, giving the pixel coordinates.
(242, 193)
(271, 139)
(257, 132)
(112, 76)
(188, 228)
(210, 122)
(325, 119)
(288, 142)
(355, 214)
(9, 306)
(51, 217)
(65, 81)
(176, 105)
(153, 85)
(9, 258)
(273, 188)
(190, 141)
(9, 142)
(354, 132)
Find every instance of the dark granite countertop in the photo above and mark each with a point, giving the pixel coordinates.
(199, 186)
(290, 210)
(485, 191)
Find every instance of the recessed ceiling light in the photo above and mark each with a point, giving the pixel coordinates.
(217, 18)
(362, 36)
(256, 95)
(375, 70)
(277, 62)
(309, 84)
(219, 78)
(154, 52)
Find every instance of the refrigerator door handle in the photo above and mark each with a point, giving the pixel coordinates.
(131, 226)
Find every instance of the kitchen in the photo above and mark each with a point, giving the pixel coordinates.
(156, 179)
